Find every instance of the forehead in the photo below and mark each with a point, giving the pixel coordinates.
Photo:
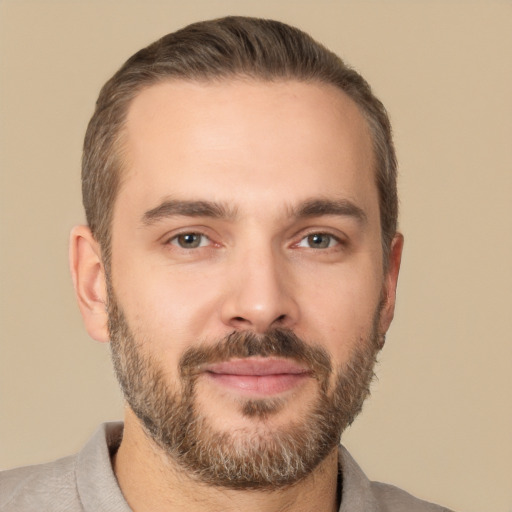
(232, 139)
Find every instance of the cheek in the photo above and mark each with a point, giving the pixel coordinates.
(171, 308)
(340, 313)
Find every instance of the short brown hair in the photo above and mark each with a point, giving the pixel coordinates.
(222, 49)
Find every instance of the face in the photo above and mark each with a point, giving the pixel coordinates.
(247, 298)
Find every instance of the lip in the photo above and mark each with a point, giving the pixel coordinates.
(257, 376)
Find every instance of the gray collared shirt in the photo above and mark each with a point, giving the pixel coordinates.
(86, 483)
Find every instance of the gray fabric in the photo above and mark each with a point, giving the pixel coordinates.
(361, 495)
(81, 483)
(86, 483)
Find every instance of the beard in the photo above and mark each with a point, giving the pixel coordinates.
(261, 457)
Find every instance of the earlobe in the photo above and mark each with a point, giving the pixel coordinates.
(390, 283)
(89, 281)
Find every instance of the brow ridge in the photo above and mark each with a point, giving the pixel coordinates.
(176, 207)
(321, 207)
(316, 207)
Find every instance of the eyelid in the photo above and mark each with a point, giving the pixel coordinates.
(171, 236)
(174, 240)
(332, 237)
(334, 233)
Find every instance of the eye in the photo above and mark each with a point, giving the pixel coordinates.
(190, 240)
(319, 241)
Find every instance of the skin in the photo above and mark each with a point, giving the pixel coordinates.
(261, 151)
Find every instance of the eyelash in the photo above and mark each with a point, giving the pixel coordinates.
(333, 240)
(175, 239)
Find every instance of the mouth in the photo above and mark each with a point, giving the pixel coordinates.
(256, 376)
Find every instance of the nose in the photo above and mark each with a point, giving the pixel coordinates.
(260, 293)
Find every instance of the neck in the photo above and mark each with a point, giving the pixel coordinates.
(152, 481)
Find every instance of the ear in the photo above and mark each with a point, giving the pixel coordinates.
(89, 281)
(390, 283)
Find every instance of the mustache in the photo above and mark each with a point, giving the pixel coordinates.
(278, 342)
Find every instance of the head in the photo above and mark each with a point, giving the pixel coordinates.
(216, 50)
(242, 257)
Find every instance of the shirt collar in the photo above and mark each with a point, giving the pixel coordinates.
(98, 488)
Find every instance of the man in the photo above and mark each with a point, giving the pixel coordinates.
(241, 256)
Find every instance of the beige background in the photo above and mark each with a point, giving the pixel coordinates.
(440, 420)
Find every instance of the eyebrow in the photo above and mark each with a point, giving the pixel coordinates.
(320, 207)
(174, 207)
(215, 210)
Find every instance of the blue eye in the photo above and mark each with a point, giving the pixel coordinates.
(190, 240)
(319, 241)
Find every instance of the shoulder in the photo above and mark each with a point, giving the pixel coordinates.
(50, 486)
(362, 495)
(82, 482)
(393, 499)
